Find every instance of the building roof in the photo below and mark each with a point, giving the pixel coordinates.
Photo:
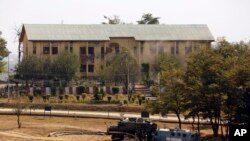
(83, 32)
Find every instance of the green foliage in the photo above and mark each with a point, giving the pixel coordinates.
(121, 65)
(216, 80)
(148, 19)
(66, 96)
(115, 90)
(109, 98)
(3, 53)
(65, 66)
(84, 96)
(29, 68)
(112, 20)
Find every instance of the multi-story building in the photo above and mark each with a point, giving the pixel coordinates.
(95, 43)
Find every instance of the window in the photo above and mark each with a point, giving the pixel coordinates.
(153, 49)
(188, 50)
(66, 48)
(177, 50)
(34, 48)
(117, 50)
(83, 50)
(135, 50)
(91, 68)
(161, 50)
(71, 47)
(141, 50)
(54, 50)
(45, 50)
(172, 50)
(102, 52)
(83, 68)
(91, 50)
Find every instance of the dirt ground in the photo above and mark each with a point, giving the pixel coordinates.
(37, 128)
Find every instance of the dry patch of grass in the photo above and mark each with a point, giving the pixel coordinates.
(38, 128)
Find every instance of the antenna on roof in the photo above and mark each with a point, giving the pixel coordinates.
(61, 21)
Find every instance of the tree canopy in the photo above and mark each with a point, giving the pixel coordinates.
(215, 85)
(64, 67)
(3, 53)
(112, 20)
(148, 18)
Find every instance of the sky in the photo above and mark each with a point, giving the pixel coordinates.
(229, 18)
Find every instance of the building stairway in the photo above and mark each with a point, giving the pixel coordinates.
(143, 90)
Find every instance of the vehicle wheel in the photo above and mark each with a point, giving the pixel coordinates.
(117, 137)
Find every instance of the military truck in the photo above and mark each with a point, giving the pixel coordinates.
(138, 128)
(143, 130)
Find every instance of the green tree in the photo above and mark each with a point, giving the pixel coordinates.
(204, 76)
(112, 20)
(235, 78)
(148, 18)
(119, 67)
(30, 68)
(65, 66)
(3, 53)
(172, 100)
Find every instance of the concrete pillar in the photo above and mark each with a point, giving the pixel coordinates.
(120, 89)
(47, 91)
(31, 91)
(74, 90)
(91, 90)
(66, 90)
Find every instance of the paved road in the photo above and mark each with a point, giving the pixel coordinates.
(96, 114)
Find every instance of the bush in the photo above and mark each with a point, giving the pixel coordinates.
(140, 101)
(99, 96)
(125, 102)
(109, 98)
(133, 99)
(78, 97)
(66, 96)
(83, 96)
(48, 97)
(44, 98)
(31, 97)
(115, 90)
(61, 97)
(143, 98)
(38, 92)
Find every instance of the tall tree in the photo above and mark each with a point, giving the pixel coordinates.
(30, 68)
(148, 18)
(112, 20)
(120, 67)
(172, 100)
(3, 53)
(65, 66)
(203, 74)
(235, 78)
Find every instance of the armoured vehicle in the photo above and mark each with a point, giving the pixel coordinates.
(143, 130)
(138, 128)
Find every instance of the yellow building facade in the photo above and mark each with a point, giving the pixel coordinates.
(94, 44)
